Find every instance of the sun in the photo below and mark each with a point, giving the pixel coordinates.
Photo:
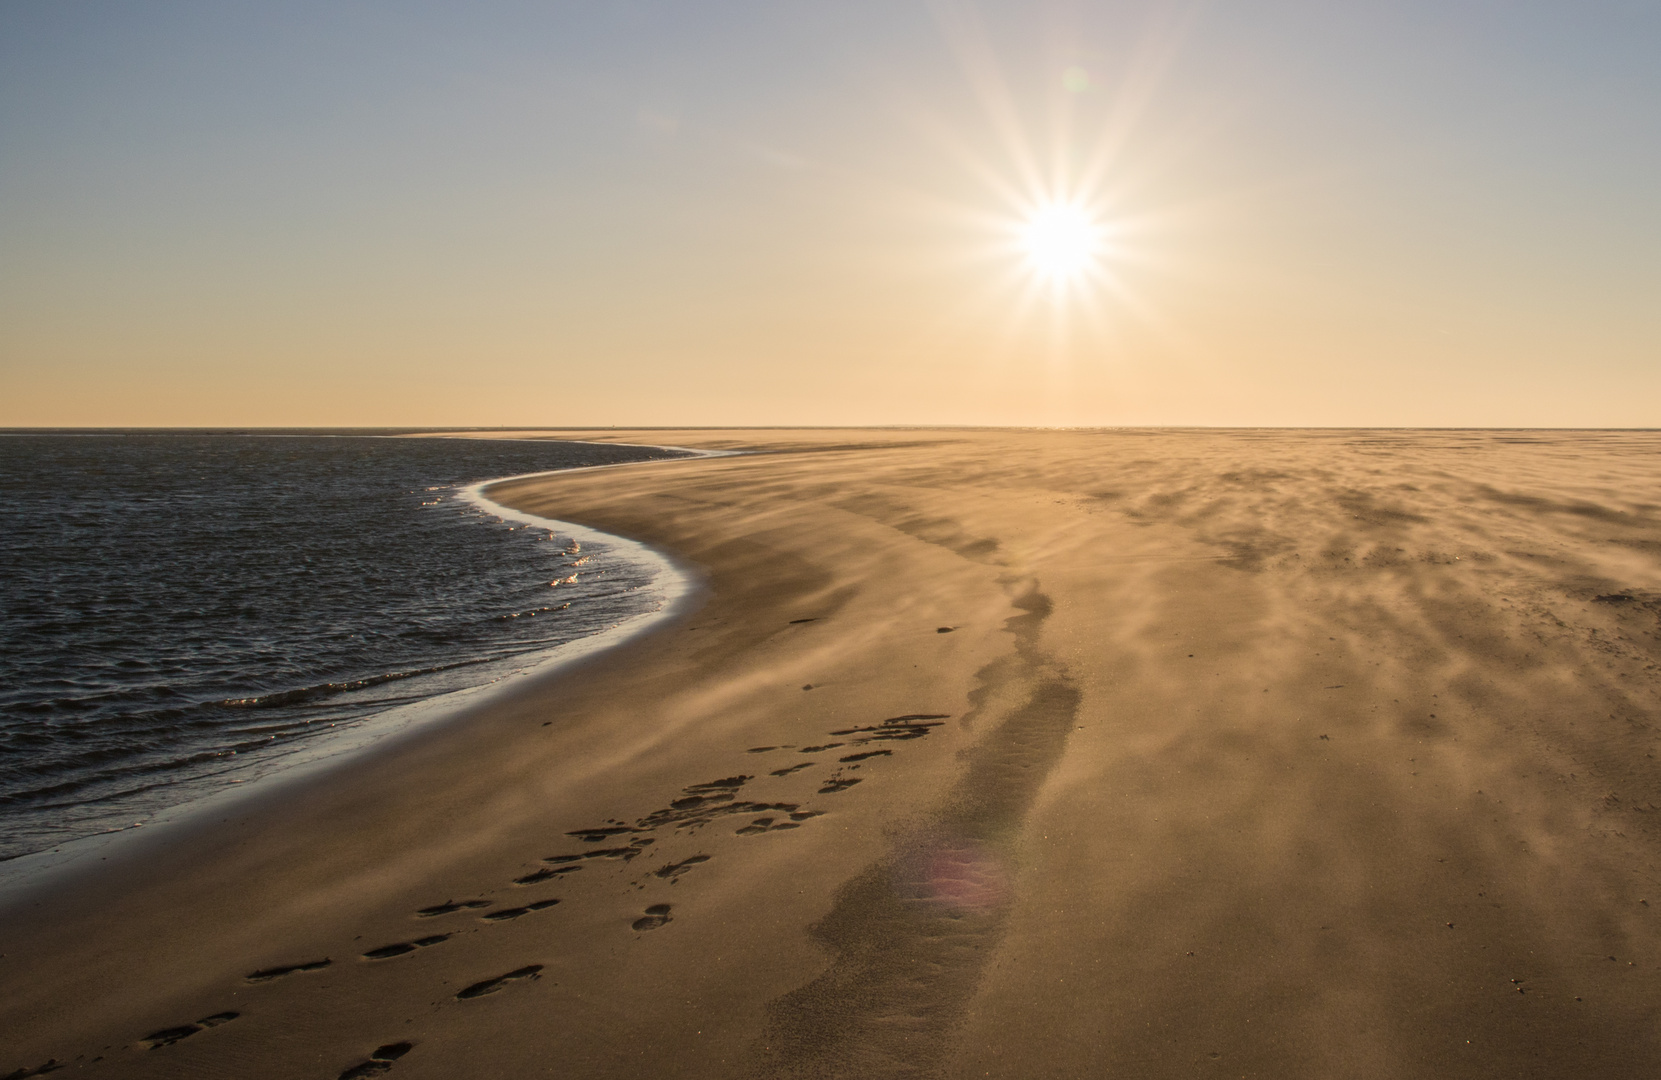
(1062, 241)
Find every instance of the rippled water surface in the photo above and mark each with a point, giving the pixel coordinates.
(185, 611)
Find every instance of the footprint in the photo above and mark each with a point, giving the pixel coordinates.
(515, 912)
(798, 622)
(490, 986)
(545, 874)
(379, 1062)
(624, 853)
(793, 768)
(168, 1036)
(698, 805)
(765, 824)
(635, 847)
(726, 783)
(386, 952)
(655, 916)
(827, 746)
(672, 871)
(605, 832)
(267, 974)
(896, 728)
(760, 749)
(695, 811)
(839, 783)
(693, 802)
(803, 815)
(449, 906)
(52, 1065)
(866, 754)
(944, 629)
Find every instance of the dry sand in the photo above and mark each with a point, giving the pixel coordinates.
(1259, 754)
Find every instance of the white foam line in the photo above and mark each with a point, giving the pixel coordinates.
(672, 582)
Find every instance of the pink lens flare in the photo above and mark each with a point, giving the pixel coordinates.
(955, 873)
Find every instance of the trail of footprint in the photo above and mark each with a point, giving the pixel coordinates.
(450, 905)
(402, 948)
(655, 916)
(168, 1036)
(267, 974)
(379, 1062)
(52, 1065)
(514, 913)
(698, 805)
(490, 986)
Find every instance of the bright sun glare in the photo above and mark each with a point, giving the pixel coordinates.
(1061, 241)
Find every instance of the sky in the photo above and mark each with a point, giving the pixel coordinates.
(713, 212)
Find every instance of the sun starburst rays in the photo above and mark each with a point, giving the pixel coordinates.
(1058, 229)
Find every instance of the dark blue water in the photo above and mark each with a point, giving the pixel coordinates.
(179, 612)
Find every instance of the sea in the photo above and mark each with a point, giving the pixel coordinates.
(182, 612)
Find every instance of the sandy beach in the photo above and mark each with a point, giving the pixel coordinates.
(984, 754)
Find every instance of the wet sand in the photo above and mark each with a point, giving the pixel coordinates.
(988, 753)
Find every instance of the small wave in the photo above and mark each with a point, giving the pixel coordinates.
(322, 690)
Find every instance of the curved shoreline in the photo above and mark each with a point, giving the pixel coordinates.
(677, 586)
